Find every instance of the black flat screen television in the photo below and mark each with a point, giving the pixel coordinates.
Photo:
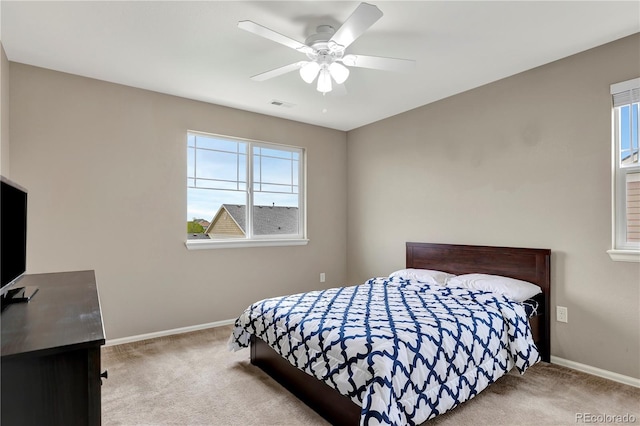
(13, 237)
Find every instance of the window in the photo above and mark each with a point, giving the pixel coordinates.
(243, 192)
(626, 171)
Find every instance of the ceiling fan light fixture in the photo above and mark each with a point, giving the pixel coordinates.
(339, 72)
(335, 48)
(309, 71)
(324, 81)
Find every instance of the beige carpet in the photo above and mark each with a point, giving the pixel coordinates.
(192, 379)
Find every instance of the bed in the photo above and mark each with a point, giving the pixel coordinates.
(532, 265)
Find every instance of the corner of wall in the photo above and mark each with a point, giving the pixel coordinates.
(4, 112)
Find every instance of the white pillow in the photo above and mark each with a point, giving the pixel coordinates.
(513, 289)
(423, 275)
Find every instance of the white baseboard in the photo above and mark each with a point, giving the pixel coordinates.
(131, 339)
(627, 380)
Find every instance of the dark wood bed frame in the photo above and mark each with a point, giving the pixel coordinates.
(526, 264)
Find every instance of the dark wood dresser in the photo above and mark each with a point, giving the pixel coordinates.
(50, 365)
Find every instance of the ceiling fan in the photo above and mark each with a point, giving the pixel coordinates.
(326, 50)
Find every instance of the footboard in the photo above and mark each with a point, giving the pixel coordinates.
(337, 409)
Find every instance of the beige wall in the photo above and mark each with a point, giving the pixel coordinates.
(525, 162)
(105, 166)
(4, 113)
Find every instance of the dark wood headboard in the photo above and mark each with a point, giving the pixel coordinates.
(528, 264)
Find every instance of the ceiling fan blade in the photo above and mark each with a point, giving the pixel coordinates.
(360, 20)
(265, 32)
(379, 63)
(278, 71)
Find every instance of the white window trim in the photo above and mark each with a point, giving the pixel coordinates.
(618, 252)
(243, 243)
(624, 255)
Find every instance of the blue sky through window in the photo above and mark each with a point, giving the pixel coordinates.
(217, 169)
(628, 130)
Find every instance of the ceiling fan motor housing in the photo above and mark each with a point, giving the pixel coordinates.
(324, 49)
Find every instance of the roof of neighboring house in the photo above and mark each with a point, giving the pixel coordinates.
(630, 159)
(266, 219)
(197, 236)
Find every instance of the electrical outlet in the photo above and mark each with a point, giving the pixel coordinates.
(322, 277)
(562, 315)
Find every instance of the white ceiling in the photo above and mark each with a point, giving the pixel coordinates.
(195, 50)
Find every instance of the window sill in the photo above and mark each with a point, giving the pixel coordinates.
(218, 244)
(624, 255)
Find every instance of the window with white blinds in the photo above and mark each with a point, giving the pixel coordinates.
(626, 169)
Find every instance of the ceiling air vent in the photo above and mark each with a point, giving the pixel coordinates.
(284, 104)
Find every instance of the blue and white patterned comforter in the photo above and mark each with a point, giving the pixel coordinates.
(404, 351)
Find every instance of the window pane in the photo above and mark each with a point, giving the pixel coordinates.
(275, 170)
(270, 199)
(217, 165)
(627, 132)
(219, 169)
(634, 130)
(276, 200)
(275, 188)
(207, 205)
(623, 131)
(191, 158)
(212, 142)
(266, 152)
(257, 174)
(221, 166)
(275, 214)
(220, 184)
(296, 173)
